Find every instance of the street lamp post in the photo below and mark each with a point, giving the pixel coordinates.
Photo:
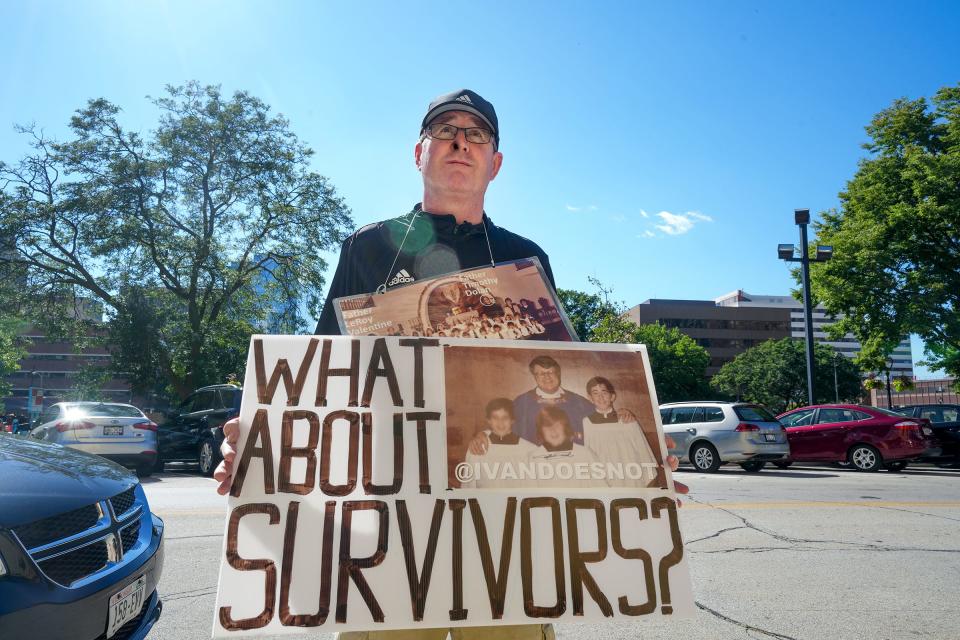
(836, 391)
(35, 409)
(786, 252)
(889, 396)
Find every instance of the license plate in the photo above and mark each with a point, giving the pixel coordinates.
(769, 437)
(113, 431)
(125, 605)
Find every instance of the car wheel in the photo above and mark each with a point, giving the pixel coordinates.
(144, 471)
(895, 467)
(863, 457)
(209, 457)
(780, 464)
(704, 457)
(753, 467)
(158, 464)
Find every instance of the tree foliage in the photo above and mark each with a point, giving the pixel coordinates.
(89, 384)
(677, 362)
(774, 373)
(896, 236)
(189, 235)
(587, 310)
(11, 349)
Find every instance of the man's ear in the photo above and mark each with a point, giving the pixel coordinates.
(417, 152)
(497, 163)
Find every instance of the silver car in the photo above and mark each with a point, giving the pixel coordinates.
(708, 434)
(116, 431)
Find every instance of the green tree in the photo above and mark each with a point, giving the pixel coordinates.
(587, 310)
(188, 235)
(677, 362)
(774, 373)
(896, 236)
(89, 383)
(11, 350)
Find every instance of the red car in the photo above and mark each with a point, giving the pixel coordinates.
(866, 437)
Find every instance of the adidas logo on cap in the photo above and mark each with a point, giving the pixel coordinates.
(401, 276)
(465, 98)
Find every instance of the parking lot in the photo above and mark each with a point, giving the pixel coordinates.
(804, 553)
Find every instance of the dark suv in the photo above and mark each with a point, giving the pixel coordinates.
(945, 422)
(193, 432)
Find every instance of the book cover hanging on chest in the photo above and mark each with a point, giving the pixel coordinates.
(506, 301)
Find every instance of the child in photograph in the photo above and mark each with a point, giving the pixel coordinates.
(507, 449)
(612, 441)
(570, 462)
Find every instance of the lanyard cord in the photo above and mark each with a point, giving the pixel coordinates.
(383, 288)
(486, 235)
(483, 221)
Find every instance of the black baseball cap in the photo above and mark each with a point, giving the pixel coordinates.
(463, 100)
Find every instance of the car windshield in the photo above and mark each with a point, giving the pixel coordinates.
(887, 412)
(104, 411)
(755, 413)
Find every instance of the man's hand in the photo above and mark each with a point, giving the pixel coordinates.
(479, 444)
(674, 462)
(224, 472)
(625, 415)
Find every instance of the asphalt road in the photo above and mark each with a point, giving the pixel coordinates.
(804, 553)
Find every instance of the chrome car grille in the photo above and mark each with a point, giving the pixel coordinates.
(129, 535)
(77, 544)
(70, 566)
(64, 525)
(122, 502)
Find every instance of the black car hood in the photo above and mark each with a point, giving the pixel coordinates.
(39, 479)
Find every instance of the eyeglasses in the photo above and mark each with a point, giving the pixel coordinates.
(473, 135)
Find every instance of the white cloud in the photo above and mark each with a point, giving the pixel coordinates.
(675, 224)
(591, 207)
(647, 234)
(644, 214)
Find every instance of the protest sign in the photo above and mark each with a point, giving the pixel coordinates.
(351, 508)
(507, 301)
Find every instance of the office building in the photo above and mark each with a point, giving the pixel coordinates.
(732, 323)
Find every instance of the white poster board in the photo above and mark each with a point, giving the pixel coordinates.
(351, 509)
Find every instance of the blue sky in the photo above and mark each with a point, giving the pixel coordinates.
(660, 147)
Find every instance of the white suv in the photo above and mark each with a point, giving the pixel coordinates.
(708, 434)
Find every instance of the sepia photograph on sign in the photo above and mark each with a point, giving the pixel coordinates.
(542, 418)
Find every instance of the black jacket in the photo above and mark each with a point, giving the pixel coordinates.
(434, 245)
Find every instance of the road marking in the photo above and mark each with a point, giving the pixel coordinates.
(689, 506)
(820, 504)
(166, 513)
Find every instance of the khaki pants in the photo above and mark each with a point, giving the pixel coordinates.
(514, 632)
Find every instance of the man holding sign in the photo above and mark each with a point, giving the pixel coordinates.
(457, 155)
